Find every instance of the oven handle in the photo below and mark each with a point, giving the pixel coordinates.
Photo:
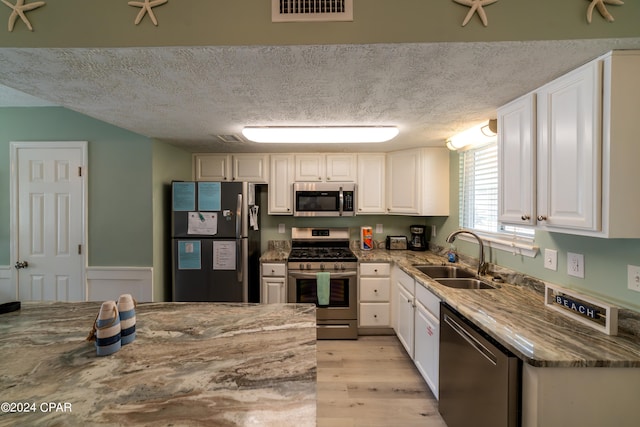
(333, 275)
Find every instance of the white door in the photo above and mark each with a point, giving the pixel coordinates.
(48, 220)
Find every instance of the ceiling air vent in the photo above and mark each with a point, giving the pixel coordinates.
(311, 10)
(229, 138)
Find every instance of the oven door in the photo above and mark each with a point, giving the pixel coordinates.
(302, 288)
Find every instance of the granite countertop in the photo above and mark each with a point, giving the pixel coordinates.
(514, 314)
(191, 364)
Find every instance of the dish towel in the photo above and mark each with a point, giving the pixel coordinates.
(323, 283)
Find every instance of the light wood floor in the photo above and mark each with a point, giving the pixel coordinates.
(371, 382)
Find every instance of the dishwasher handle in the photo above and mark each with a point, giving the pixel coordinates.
(470, 339)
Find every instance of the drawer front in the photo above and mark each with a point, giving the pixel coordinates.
(274, 269)
(375, 269)
(374, 289)
(374, 314)
(428, 300)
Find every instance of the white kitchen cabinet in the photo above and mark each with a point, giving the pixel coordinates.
(569, 150)
(517, 160)
(338, 167)
(427, 337)
(280, 184)
(371, 183)
(251, 168)
(212, 167)
(586, 152)
(418, 182)
(374, 296)
(231, 167)
(404, 291)
(274, 283)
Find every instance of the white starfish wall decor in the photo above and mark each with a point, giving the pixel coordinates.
(476, 6)
(146, 7)
(19, 9)
(600, 5)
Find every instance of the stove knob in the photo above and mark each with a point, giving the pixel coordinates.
(322, 266)
(301, 266)
(309, 266)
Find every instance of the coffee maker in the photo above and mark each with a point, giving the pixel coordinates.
(418, 240)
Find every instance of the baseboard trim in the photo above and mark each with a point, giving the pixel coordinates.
(7, 291)
(107, 283)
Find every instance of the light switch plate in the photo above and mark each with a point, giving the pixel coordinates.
(551, 259)
(575, 265)
(633, 277)
(379, 229)
(281, 228)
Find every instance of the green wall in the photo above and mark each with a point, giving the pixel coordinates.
(120, 231)
(169, 163)
(605, 260)
(82, 23)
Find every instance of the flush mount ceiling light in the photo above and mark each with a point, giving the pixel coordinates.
(481, 134)
(319, 134)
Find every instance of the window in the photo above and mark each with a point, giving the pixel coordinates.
(479, 194)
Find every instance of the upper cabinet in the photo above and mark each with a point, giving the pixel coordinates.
(231, 167)
(371, 183)
(418, 182)
(281, 185)
(585, 151)
(517, 160)
(339, 167)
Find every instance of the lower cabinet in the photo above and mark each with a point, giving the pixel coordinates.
(404, 289)
(427, 337)
(417, 325)
(274, 283)
(374, 298)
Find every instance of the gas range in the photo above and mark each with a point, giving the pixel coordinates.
(318, 249)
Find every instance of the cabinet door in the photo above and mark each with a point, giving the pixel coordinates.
(280, 185)
(211, 167)
(403, 180)
(569, 150)
(404, 318)
(371, 183)
(309, 167)
(341, 167)
(516, 160)
(273, 290)
(427, 346)
(251, 167)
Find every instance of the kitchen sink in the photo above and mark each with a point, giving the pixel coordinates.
(464, 283)
(443, 271)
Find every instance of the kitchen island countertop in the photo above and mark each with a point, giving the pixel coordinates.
(191, 364)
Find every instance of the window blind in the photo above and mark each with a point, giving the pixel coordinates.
(479, 192)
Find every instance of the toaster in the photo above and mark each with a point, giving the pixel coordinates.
(396, 242)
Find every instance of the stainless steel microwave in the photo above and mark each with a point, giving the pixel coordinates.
(324, 199)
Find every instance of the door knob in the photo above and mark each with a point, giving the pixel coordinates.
(23, 264)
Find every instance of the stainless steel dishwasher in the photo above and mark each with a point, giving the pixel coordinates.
(479, 380)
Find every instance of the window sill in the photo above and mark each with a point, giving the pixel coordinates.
(514, 246)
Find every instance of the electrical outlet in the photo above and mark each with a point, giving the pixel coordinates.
(281, 228)
(551, 259)
(379, 229)
(633, 277)
(575, 265)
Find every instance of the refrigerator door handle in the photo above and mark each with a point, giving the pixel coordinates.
(239, 256)
(239, 217)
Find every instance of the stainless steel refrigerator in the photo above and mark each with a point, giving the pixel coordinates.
(215, 241)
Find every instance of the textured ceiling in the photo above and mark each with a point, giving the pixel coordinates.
(188, 95)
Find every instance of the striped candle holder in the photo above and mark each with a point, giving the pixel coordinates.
(107, 327)
(127, 309)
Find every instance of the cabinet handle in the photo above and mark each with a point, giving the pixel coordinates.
(375, 316)
(328, 178)
(525, 217)
(375, 270)
(409, 301)
(542, 218)
(375, 290)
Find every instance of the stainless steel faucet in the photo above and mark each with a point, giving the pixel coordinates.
(482, 266)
